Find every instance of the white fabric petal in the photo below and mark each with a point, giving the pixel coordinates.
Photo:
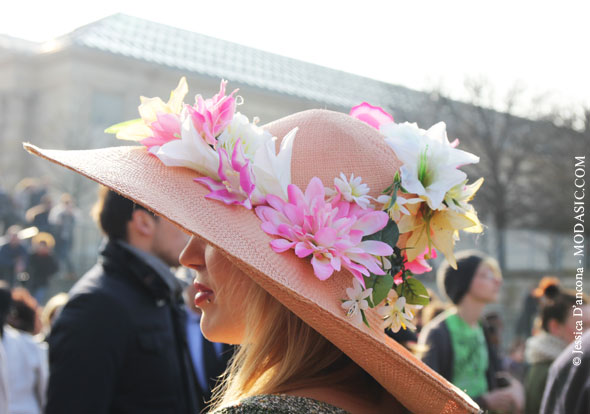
(272, 171)
(190, 151)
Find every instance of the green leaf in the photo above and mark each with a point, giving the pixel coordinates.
(113, 129)
(364, 318)
(381, 288)
(370, 283)
(389, 234)
(414, 292)
(392, 201)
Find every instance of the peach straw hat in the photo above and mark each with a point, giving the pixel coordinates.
(321, 145)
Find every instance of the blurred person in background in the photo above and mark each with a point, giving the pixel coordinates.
(558, 330)
(27, 193)
(39, 191)
(38, 215)
(63, 219)
(530, 309)
(456, 342)
(7, 213)
(119, 344)
(13, 256)
(26, 363)
(210, 359)
(25, 313)
(41, 265)
(568, 383)
(5, 300)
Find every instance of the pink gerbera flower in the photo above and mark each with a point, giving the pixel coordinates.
(330, 231)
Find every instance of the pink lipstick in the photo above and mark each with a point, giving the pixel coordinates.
(203, 294)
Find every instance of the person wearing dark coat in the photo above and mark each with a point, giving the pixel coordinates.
(568, 385)
(558, 329)
(119, 344)
(13, 256)
(41, 266)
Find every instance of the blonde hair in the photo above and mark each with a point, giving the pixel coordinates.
(280, 353)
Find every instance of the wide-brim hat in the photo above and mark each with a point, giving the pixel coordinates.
(327, 144)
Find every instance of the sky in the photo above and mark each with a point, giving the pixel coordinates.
(424, 45)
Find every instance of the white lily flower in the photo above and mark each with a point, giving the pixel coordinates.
(399, 207)
(271, 170)
(250, 135)
(357, 301)
(430, 163)
(458, 197)
(396, 314)
(190, 151)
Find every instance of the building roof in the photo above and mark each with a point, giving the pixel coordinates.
(191, 52)
(15, 44)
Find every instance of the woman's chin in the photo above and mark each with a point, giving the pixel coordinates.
(222, 333)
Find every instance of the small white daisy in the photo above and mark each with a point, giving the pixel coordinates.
(357, 301)
(353, 190)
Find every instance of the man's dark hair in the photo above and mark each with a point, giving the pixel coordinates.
(112, 212)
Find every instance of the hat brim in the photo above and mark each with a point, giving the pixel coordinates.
(172, 193)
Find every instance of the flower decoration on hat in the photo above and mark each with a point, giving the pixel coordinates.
(428, 203)
(382, 242)
(236, 157)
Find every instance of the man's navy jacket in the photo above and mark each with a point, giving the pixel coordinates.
(119, 345)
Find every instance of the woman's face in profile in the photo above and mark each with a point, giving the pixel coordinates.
(486, 283)
(221, 289)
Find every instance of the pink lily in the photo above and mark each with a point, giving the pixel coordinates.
(165, 129)
(212, 116)
(237, 180)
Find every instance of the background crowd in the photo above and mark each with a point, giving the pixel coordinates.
(107, 330)
(38, 236)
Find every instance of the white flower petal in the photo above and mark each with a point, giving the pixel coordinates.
(190, 151)
(273, 171)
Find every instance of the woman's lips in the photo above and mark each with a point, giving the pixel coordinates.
(203, 294)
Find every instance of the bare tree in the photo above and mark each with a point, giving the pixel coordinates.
(511, 150)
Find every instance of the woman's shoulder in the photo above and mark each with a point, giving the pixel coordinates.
(280, 404)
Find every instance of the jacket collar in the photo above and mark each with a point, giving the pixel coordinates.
(148, 270)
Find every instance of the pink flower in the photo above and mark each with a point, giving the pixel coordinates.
(372, 115)
(165, 129)
(211, 116)
(330, 231)
(418, 266)
(237, 180)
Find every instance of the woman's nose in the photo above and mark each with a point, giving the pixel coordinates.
(193, 255)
